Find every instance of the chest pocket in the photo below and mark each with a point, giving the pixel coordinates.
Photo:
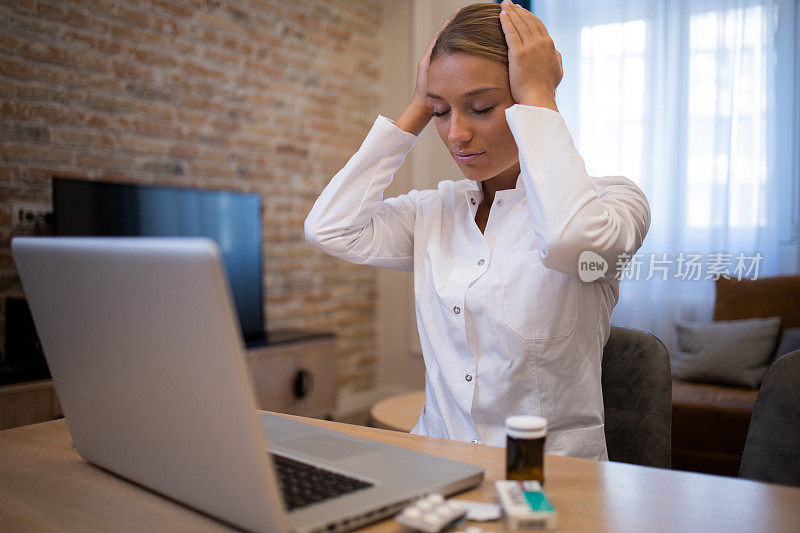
(539, 303)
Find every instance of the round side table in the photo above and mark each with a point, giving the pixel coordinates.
(398, 413)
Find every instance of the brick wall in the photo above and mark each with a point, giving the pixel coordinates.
(264, 96)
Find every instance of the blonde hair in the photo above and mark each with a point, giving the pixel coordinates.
(475, 30)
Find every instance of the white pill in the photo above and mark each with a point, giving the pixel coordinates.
(455, 506)
(430, 519)
(424, 505)
(435, 498)
(412, 513)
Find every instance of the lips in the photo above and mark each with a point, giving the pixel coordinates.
(467, 157)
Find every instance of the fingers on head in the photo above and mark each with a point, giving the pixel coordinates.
(521, 25)
(511, 33)
(533, 23)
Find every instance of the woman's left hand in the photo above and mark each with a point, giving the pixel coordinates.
(534, 64)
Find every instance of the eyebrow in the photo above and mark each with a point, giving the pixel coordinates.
(468, 93)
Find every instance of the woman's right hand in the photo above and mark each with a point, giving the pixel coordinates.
(419, 111)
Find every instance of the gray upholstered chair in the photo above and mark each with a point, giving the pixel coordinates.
(637, 395)
(772, 449)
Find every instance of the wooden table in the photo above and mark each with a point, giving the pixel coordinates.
(46, 486)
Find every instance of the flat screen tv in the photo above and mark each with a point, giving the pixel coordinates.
(232, 219)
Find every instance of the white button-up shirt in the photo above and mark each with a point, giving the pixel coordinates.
(507, 327)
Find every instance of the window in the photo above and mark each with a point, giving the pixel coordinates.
(727, 160)
(697, 101)
(680, 92)
(612, 70)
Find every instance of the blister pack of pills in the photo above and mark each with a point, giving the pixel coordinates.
(525, 505)
(431, 514)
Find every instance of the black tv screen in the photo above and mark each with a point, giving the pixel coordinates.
(232, 219)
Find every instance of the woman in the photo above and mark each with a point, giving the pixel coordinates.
(506, 324)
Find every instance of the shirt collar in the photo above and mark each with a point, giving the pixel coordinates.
(474, 190)
(476, 186)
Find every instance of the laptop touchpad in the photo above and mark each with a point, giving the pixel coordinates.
(327, 447)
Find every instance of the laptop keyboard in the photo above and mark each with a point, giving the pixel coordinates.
(303, 484)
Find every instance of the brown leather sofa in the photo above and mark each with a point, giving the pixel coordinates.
(710, 422)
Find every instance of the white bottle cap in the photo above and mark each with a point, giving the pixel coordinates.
(526, 427)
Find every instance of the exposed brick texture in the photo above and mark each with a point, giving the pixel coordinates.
(262, 96)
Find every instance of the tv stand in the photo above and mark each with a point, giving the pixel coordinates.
(29, 402)
(293, 372)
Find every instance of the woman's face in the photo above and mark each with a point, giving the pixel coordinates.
(469, 95)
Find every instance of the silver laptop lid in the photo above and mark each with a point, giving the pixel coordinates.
(136, 332)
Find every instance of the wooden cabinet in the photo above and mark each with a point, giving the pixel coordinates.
(28, 403)
(294, 373)
(296, 376)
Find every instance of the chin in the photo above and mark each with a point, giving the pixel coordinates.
(474, 174)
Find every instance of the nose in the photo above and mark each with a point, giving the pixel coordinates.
(459, 131)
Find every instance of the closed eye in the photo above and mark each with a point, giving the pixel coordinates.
(475, 111)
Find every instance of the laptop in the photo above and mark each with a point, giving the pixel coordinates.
(147, 358)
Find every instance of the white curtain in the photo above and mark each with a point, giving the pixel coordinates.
(695, 101)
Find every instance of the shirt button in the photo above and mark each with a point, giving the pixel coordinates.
(472, 201)
(481, 262)
(468, 377)
(456, 309)
(500, 202)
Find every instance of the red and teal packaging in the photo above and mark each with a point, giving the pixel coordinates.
(525, 505)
